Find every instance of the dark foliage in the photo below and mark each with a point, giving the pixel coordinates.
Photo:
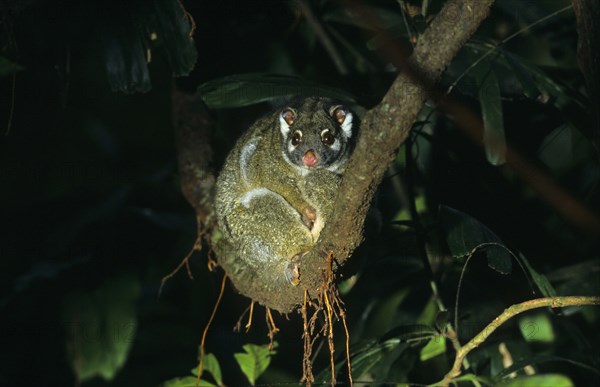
(92, 215)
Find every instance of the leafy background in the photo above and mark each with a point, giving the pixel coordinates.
(93, 218)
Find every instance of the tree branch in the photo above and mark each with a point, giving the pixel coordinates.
(330, 48)
(192, 125)
(553, 302)
(385, 127)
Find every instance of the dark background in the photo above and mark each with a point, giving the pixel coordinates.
(90, 199)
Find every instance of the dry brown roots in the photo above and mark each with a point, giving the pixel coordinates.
(329, 307)
(326, 307)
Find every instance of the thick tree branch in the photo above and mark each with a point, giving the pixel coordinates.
(192, 125)
(385, 127)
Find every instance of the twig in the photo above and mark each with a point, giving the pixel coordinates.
(184, 262)
(503, 42)
(307, 375)
(249, 324)
(343, 316)
(553, 302)
(329, 320)
(212, 316)
(271, 326)
(323, 37)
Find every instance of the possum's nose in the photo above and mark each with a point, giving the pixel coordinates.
(310, 158)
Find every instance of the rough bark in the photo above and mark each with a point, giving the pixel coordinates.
(383, 129)
(587, 13)
(192, 124)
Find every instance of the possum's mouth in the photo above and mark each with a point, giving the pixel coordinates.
(310, 159)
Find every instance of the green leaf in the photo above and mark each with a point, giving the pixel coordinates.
(187, 381)
(494, 139)
(435, 347)
(252, 88)
(473, 379)
(541, 359)
(384, 312)
(8, 67)
(429, 313)
(529, 87)
(409, 333)
(536, 327)
(465, 234)
(211, 365)
(564, 148)
(173, 29)
(100, 328)
(385, 18)
(254, 361)
(540, 280)
(549, 380)
(368, 357)
(389, 347)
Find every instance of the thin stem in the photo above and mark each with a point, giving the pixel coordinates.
(249, 323)
(503, 42)
(212, 316)
(510, 312)
(323, 37)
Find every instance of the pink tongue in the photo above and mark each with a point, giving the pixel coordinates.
(309, 159)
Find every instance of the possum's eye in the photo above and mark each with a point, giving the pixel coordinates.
(296, 138)
(327, 138)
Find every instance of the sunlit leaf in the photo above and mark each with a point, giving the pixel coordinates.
(429, 313)
(254, 361)
(549, 380)
(474, 379)
(436, 346)
(211, 365)
(541, 359)
(536, 327)
(188, 381)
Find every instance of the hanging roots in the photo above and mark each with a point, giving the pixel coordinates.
(238, 325)
(272, 328)
(212, 316)
(330, 307)
(212, 263)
